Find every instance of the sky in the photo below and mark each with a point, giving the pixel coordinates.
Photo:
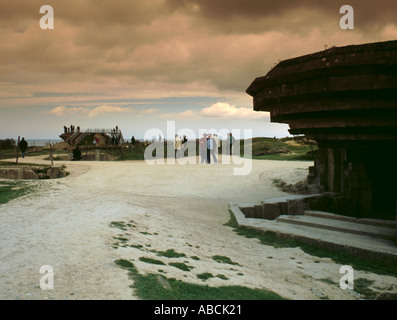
(146, 64)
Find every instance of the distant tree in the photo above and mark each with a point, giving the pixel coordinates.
(7, 143)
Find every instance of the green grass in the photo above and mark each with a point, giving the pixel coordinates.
(223, 259)
(341, 257)
(361, 286)
(181, 266)
(170, 253)
(12, 189)
(148, 287)
(195, 258)
(281, 149)
(205, 276)
(137, 152)
(119, 225)
(152, 261)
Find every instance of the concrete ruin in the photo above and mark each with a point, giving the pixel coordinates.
(101, 137)
(32, 172)
(345, 98)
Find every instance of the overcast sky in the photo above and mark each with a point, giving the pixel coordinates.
(138, 64)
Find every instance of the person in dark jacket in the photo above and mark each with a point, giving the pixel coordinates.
(23, 145)
(77, 153)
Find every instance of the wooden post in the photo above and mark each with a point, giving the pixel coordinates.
(51, 158)
(19, 138)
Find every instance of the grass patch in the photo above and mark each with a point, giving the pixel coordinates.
(297, 149)
(181, 266)
(11, 189)
(205, 276)
(170, 253)
(327, 280)
(223, 259)
(145, 233)
(361, 286)
(152, 261)
(148, 287)
(125, 264)
(119, 225)
(121, 239)
(136, 246)
(341, 257)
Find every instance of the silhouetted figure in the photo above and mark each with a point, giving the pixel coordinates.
(211, 146)
(133, 140)
(203, 148)
(23, 145)
(77, 153)
(230, 143)
(184, 146)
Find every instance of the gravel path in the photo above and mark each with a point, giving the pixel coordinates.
(65, 224)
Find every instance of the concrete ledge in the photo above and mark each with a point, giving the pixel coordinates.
(328, 215)
(293, 205)
(375, 249)
(367, 221)
(341, 225)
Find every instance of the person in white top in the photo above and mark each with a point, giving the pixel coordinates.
(177, 146)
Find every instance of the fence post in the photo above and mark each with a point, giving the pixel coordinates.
(19, 138)
(51, 158)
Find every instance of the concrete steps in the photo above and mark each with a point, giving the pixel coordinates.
(359, 237)
(382, 229)
(374, 222)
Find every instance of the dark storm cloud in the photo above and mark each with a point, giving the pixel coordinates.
(368, 13)
(221, 44)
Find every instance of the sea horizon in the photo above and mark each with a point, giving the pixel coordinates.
(42, 142)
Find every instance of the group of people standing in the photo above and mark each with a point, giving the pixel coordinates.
(208, 146)
(71, 129)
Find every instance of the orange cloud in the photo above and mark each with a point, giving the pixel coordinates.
(97, 111)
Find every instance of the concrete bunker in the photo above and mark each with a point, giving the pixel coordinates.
(345, 98)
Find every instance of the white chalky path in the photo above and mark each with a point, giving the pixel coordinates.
(65, 224)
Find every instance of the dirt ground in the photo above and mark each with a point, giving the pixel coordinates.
(65, 224)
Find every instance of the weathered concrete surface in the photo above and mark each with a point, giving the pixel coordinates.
(17, 173)
(345, 98)
(367, 241)
(32, 173)
(292, 205)
(56, 172)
